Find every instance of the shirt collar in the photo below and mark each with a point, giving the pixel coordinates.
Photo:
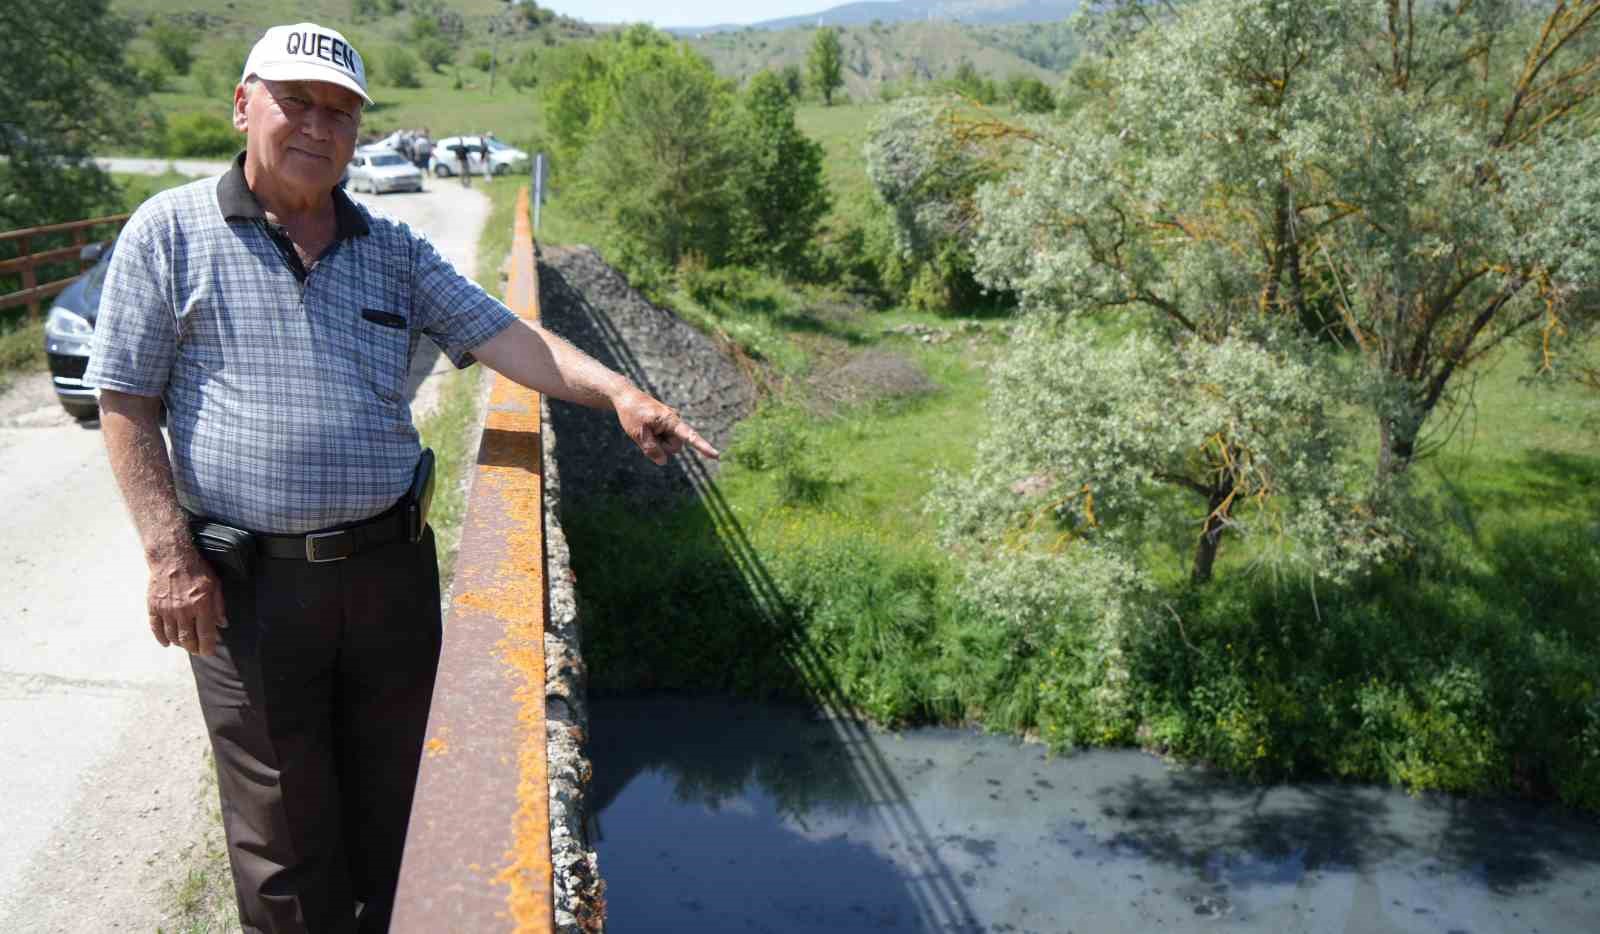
(237, 201)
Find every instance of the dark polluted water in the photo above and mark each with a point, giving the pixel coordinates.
(722, 816)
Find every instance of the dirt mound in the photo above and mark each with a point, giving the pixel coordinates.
(590, 304)
(870, 376)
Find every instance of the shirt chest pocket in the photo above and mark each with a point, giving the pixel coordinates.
(383, 345)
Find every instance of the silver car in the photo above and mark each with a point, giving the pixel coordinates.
(383, 171)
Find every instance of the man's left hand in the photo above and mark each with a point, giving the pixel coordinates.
(656, 428)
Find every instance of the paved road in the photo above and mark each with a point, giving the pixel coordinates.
(103, 786)
(195, 167)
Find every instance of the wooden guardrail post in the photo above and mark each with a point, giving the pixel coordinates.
(477, 854)
(30, 279)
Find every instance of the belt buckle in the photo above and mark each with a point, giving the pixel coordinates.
(311, 547)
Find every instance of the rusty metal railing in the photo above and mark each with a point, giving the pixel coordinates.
(477, 854)
(33, 292)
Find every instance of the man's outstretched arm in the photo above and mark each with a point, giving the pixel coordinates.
(185, 597)
(544, 362)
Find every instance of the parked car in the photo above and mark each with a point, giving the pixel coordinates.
(68, 331)
(381, 171)
(502, 158)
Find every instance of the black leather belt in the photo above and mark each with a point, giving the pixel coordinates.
(336, 544)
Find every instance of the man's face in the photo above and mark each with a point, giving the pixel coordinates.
(300, 132)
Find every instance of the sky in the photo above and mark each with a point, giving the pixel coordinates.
(686, 12)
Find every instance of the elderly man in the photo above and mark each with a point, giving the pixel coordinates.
(276, 318)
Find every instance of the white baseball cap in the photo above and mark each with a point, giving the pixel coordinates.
(307, 52)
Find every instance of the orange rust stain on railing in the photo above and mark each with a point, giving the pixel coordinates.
(478, 847)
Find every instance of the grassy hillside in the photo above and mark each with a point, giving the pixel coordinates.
(895, 54)
(459, 98)
(453, 100)
(987, 12)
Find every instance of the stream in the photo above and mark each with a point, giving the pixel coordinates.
(713, 815)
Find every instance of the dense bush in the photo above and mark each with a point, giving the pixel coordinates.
(400, 68)
(1030, 95)
(201, 135)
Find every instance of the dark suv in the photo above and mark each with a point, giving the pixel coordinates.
(68, 331)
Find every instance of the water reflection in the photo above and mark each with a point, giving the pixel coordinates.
(716, 815)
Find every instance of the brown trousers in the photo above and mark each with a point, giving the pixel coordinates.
(316, 701)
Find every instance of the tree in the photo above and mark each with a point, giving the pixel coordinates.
(825, 64)
(1085, 431)
(794, 81)
(1408, 179)
(176, 42)
(657, 146)
(784, 191)
(928, 177)
(68, 91)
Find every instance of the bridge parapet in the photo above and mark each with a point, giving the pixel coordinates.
(478, 853)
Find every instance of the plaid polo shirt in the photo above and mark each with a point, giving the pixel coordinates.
(285, 387)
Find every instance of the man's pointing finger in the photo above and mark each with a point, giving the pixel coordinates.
(688, 434)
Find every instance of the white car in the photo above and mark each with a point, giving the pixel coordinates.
(383, 171)
(502, 158)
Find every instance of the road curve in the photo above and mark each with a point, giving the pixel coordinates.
(105, 786)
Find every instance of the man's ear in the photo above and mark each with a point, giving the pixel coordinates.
(241, 101)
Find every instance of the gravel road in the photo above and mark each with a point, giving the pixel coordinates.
(105, 785)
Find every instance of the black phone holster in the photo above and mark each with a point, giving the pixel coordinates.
(231, 551)
(419, 497)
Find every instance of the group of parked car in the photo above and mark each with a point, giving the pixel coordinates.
(398, 161)
(385, 166)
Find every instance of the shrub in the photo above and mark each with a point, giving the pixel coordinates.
(401, 68)
(200, 134)
(781, 438)
(1030, 95)
(152, 72)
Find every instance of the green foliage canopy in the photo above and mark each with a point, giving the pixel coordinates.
(67, 90)
(825, 64)
(650, 128)
(663, 150)
(784, 191)
(928, 176)
(1411, 182)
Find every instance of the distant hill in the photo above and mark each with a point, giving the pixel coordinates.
(234, 25)
(876, 55)
(970, 12)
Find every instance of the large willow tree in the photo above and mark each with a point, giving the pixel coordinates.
(1416, 180)
(1419, 179)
